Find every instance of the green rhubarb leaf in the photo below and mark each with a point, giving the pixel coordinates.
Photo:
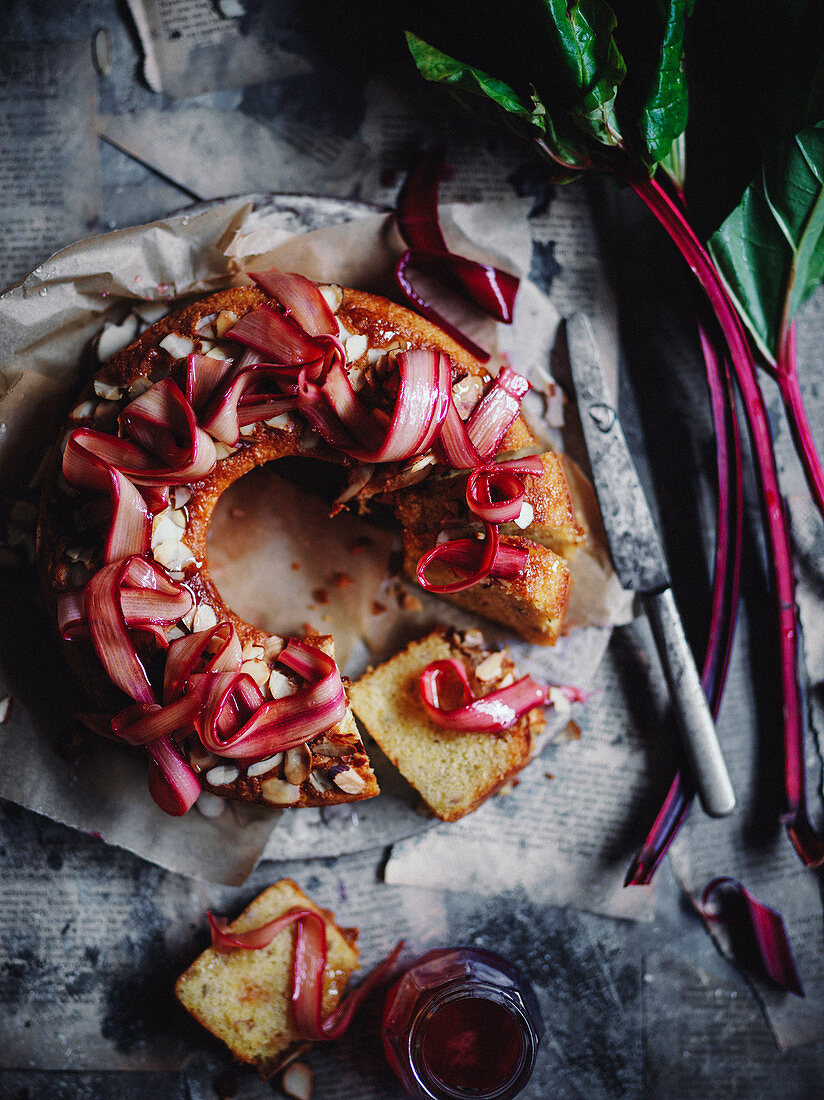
(580, 33)
(440, 68)
(487, 96)
(770, 250)
(664, 115)
(653, 103)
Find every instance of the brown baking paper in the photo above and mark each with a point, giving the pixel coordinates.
(276, 556)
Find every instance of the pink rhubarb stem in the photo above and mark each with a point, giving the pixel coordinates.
(807, 843)
(786, 375)
(726, 574)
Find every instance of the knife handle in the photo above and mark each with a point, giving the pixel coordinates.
(700, 740)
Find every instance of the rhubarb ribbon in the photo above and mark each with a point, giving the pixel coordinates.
(494, 712)
(310, 960)
(761, 925)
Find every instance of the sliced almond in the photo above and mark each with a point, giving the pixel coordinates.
(298, 764)
(272, 647)
(330, 748)
(490, 668)
(210, 805)
(114, 338)
(205, 326)
(247, 429)
(282, 420)
(164, 528)
(83, 411)
(279, 792)
(107, 390)
(139, 386)
(261, 767)
(297, 1081)
(280, 686)
(525, 516)
(177, 346)
(222, 775)
(181, 495)
(200, 758)
(174, 555)
(355, 347)
(319, 781)
(223, 450)
(223, 322)
(204, 618)
(251, 652)
(258, 670)
(349, 781)
(332, 295)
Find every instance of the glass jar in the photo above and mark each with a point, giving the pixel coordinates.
(462, 1023)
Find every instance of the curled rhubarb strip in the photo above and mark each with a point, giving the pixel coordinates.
(172, 783)
(185, 656)
(300, 298)
(203, 375)
(766, 930)
(504, 481)
(275, 336)
(421, 404)
(416, 211)
(480, 558)
(223, 416)
(109, 628)
(470, 444)
(311, 954)
(162, 413)
(143, 723)
(489, 557)
(234, 721)
(130, 528)
(492, 713)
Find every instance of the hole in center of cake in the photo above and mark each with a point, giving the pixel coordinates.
(280, 561)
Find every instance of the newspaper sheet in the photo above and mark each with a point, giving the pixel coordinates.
(213, 153)
(196, 46)
(698, 1023)
(48, 151)
(751, 846)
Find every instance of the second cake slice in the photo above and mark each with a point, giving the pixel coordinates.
(454, 772)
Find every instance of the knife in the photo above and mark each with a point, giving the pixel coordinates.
(639, 561)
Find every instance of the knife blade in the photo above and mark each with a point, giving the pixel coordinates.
(641, 566)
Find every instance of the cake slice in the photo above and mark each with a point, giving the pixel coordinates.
(548, 511)
(452, 772)
(244, 996)
(531, 604)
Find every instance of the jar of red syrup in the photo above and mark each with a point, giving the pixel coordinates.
(462, 1022)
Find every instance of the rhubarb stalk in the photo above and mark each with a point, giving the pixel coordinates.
(807, 843)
